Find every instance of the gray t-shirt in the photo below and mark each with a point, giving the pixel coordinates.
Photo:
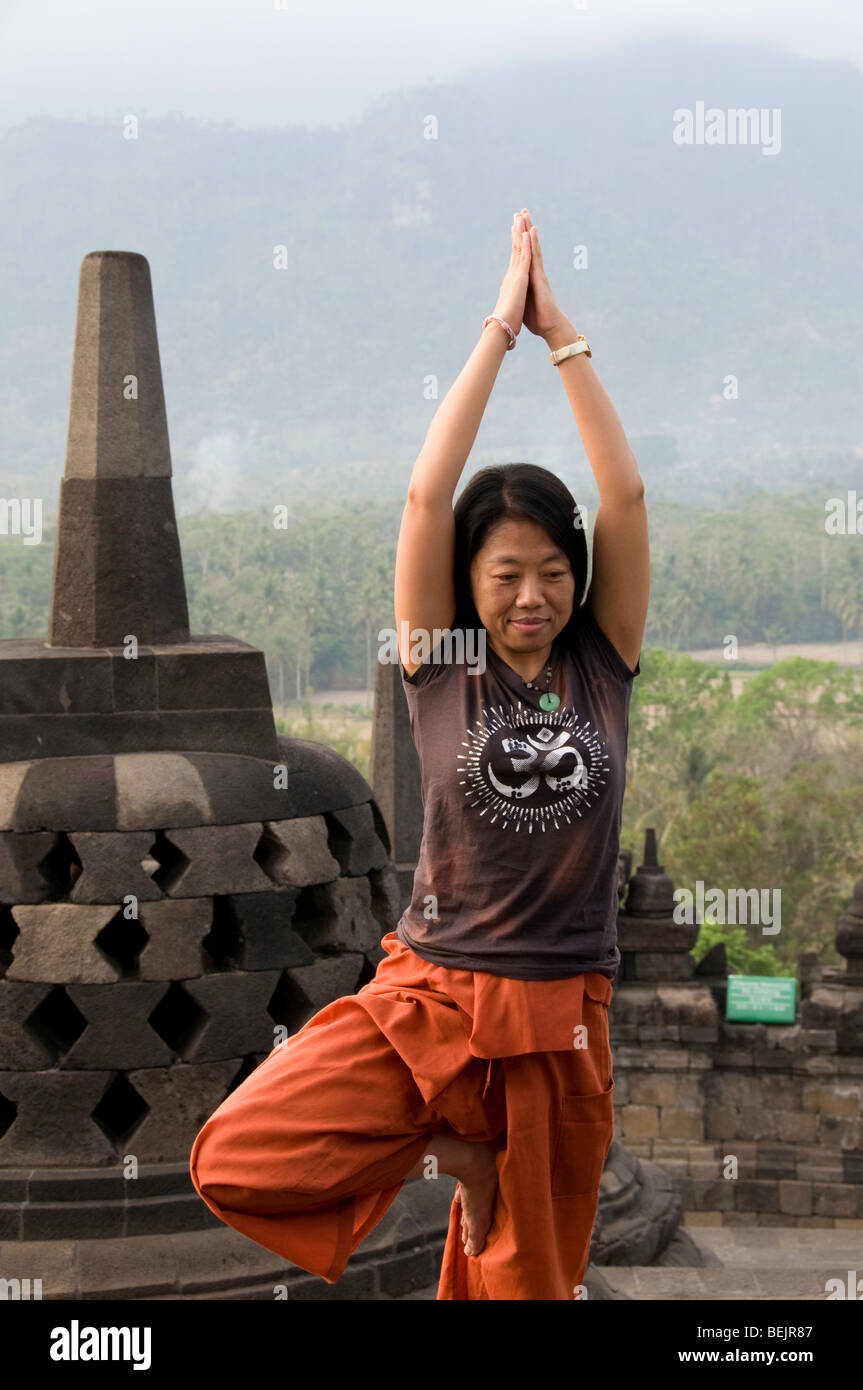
(517, 869)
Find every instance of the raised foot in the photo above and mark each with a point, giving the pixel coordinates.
(477, 1190)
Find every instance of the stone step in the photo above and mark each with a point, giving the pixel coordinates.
(720, 1285)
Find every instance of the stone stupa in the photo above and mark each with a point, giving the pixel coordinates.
(176, 881)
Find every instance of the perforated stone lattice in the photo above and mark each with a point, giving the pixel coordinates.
(143, 973)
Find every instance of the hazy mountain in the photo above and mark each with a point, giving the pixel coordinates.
(704, 262)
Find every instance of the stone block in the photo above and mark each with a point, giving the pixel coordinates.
(690, 1034)
(691, 1217)
(257, 931)
(354, 840)
(815, 1095)
(634, 1003)
(35, 679)
(840, 1133)
(53, 1263)
(769, 1060)
(670, 1059)
(54, 1118)
(758, 1122)
(659, 966)
(22, 879)
(231, 1019)
(720, 1122)
(661, 1090)
(61, 1220)
(21, 1048)
(329, 978)
(852, 1167)
(639, 1122)
(176, 929)
(835, 1199)
(664, 1149)
(631, 1059)
(796, 1198)
(717, 1194)
(743, 1035)
(340, 914)
(386, 896)
(111, 866)
(227, 675)
(250, 733)
(704, 1169)
(733, 1058)
(816, 1064)
(133, 680)
(775, 1162)
(56, 943)
(296, 854)
(798, 1128)
(693, 1006)
(700, 1061)
(119, 1032)
(820, 1169)
(680, 1124)
(821, 1008)
(107, 1269)
(153, 787)
(842, 1100)
(180, 1099)
(205, 860)
(744, 1150)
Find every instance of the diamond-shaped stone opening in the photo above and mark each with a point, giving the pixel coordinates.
(288, 1005)
(270, 854)
(9, 930)
(249, 1064)
(314, 918)
(224, 943)
(120, 1111)
(338, 839)
(367, 973)
(61, 866)
(121, 941)
(8, 1111)
(178, 1018)
(172, 862)
(56, 1023)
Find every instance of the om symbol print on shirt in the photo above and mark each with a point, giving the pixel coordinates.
(526, 768)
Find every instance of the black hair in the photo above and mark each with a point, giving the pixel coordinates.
(518, 492)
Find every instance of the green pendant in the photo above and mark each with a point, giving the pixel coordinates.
(549, 700)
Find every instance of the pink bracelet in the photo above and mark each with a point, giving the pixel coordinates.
(493, 318)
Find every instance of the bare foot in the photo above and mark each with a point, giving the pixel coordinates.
(477, 1190)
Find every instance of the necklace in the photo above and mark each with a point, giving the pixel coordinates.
(547, 700)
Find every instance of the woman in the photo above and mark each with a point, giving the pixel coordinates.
(481, 1047)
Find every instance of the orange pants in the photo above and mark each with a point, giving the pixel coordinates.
(307, 1154)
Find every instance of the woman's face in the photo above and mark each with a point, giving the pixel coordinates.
(523, 587)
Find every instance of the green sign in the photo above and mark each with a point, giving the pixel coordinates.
(761, 999)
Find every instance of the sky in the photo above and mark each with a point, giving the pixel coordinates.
(265, 63)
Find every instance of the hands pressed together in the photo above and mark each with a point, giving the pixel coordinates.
(525, 295)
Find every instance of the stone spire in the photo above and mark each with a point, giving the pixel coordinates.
(652, 945)
(849, 938)
(117, 568)
(118, 573)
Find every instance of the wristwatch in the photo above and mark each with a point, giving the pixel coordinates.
(580, 345)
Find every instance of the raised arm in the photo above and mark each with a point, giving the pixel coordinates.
(620, 578)
(424, 582)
